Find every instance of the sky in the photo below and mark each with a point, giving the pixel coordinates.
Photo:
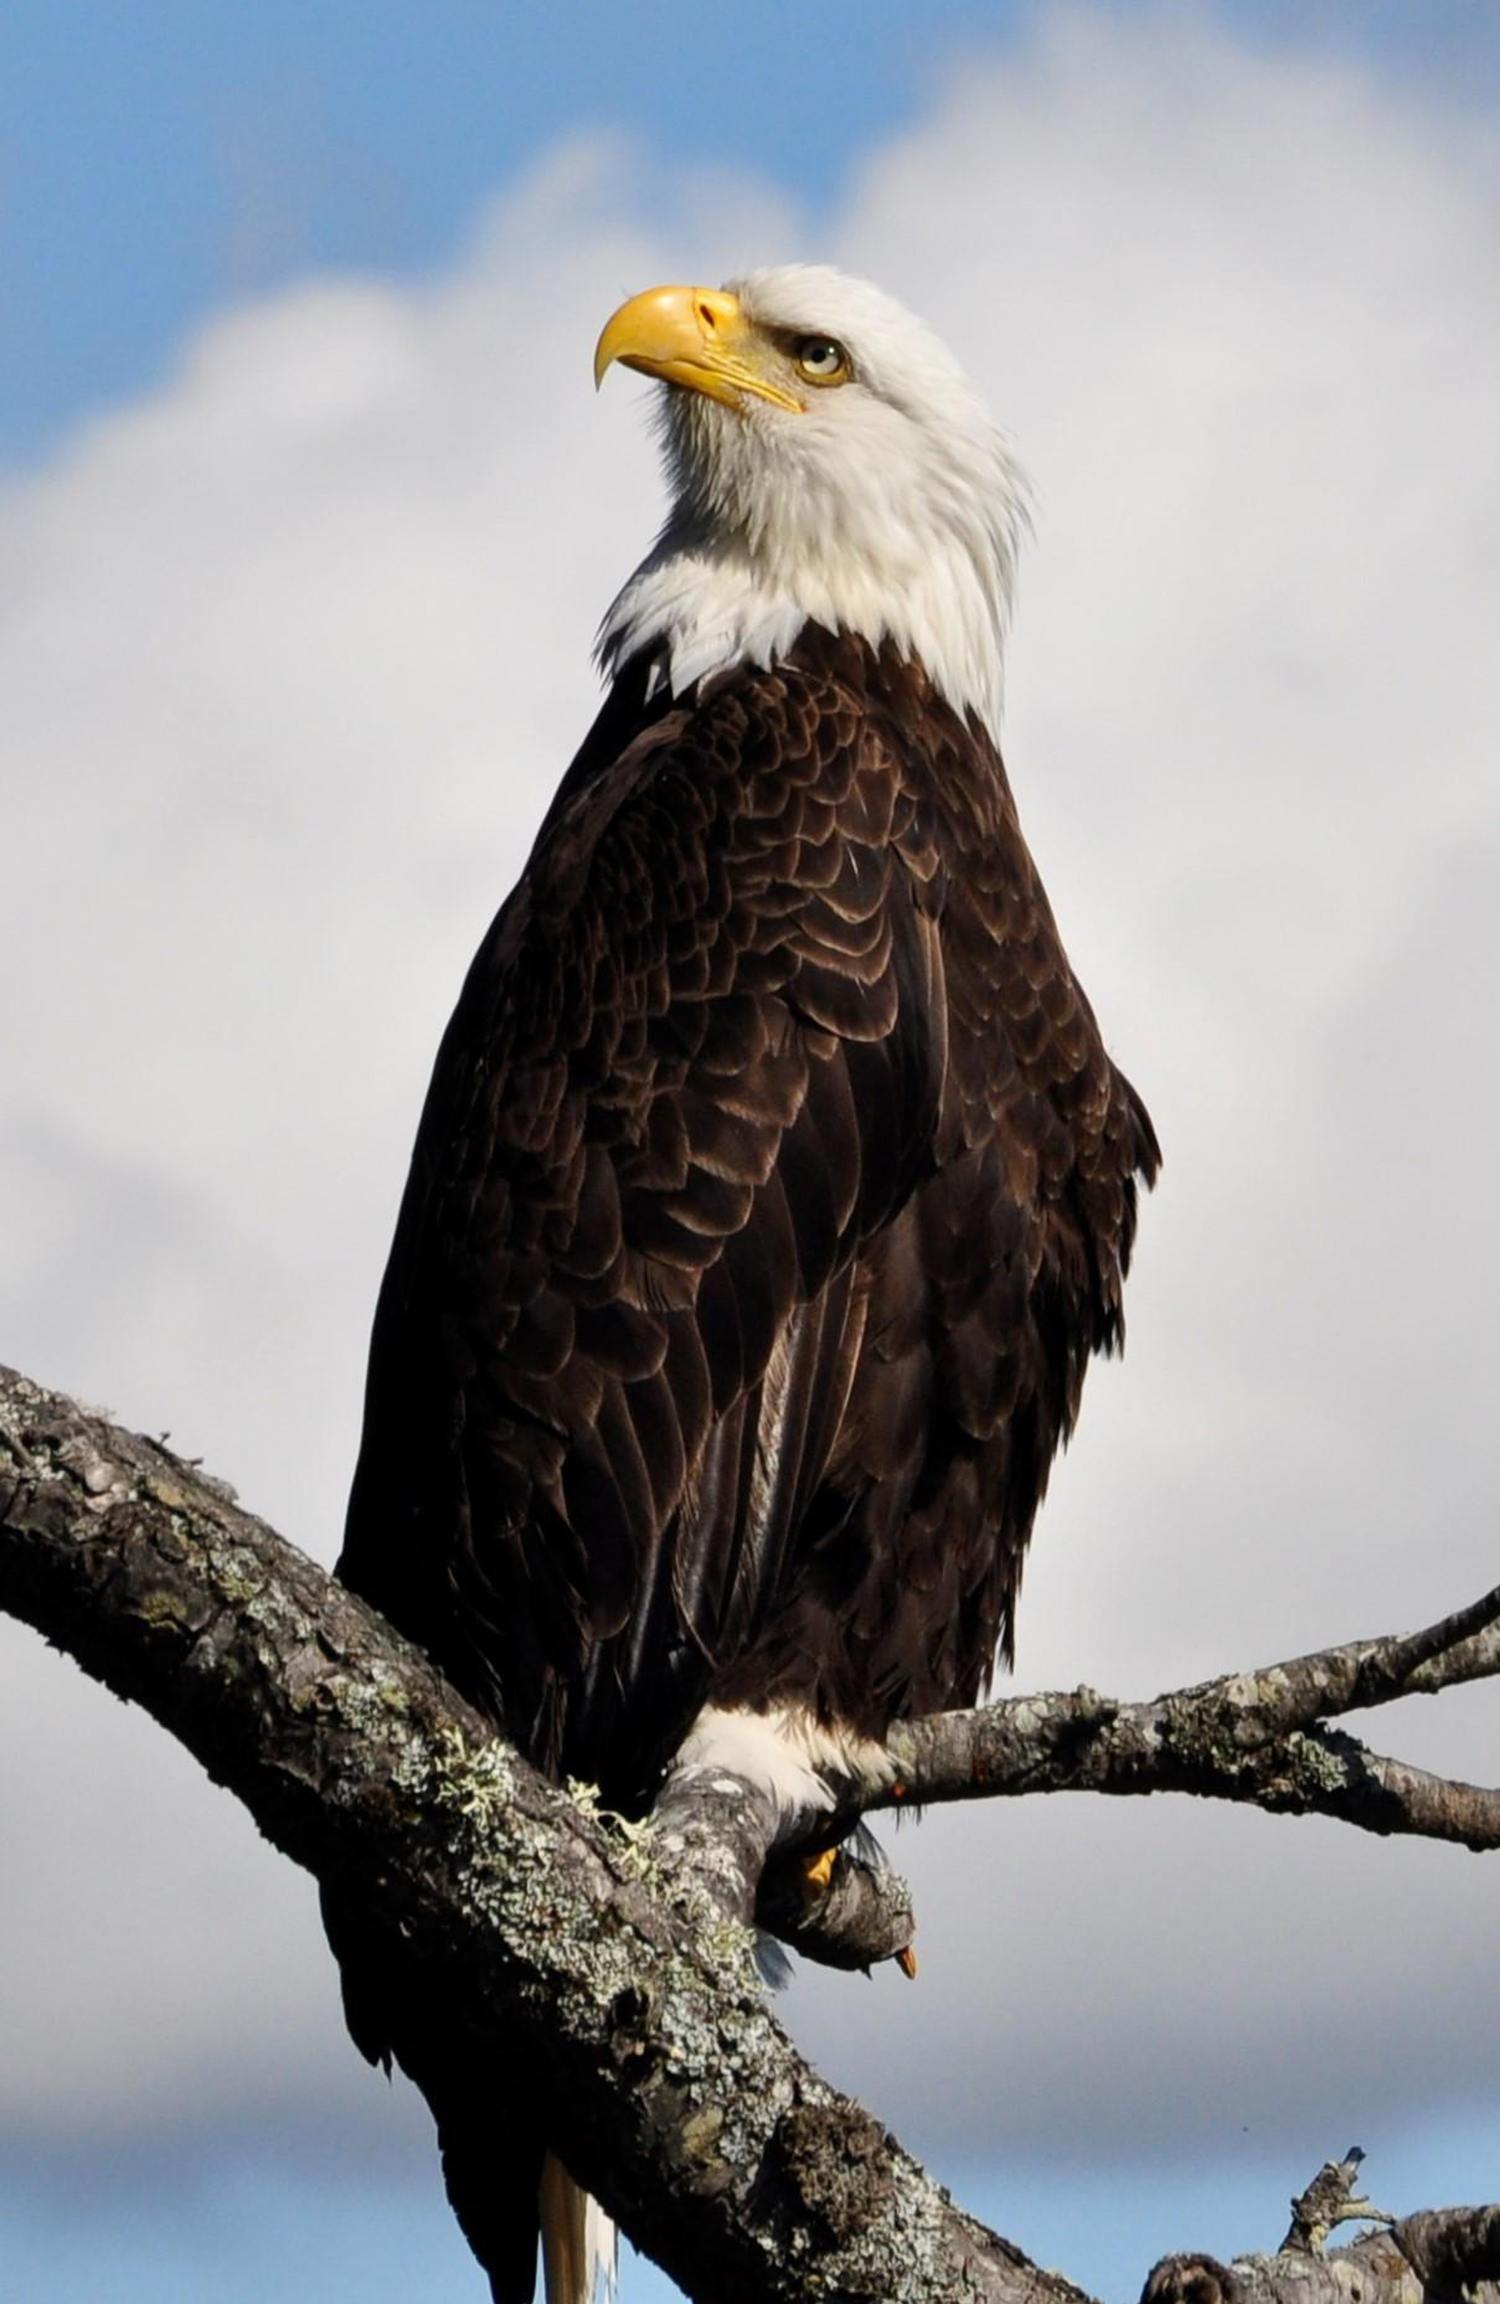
(307, 515)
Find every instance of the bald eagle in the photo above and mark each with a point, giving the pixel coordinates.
(774, 1186)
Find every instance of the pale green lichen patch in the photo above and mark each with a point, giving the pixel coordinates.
(1316, 1766)
(474, 1781)
(631, 1841)
(729, 1944)
(168, 1493)
(239, 1578)
(372, 1702)
(634, 1847)
(163, 1610)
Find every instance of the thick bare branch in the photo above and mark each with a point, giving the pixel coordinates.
(675, 2097)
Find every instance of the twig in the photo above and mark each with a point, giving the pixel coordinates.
(1331, 2199)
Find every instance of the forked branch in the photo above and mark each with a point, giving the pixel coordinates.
(1262, 1737)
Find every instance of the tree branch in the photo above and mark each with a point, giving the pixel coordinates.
(616, 1956)
(1430, 2258)
(1251, 1736)
(1254, 1737)
(670, 2090)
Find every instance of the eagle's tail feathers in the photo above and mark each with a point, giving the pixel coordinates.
(579, 2249)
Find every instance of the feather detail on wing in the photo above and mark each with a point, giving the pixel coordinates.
(773, 1191)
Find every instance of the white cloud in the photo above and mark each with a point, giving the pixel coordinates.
(291, 656)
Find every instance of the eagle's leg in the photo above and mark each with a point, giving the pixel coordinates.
(870, 1891)
(747, 1807)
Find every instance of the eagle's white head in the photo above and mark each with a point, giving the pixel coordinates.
(829, 463)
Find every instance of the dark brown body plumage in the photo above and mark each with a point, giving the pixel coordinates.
(772, 1192)
(773, 1189)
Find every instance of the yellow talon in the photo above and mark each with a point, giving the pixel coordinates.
(906, 1961)
(817, 1871)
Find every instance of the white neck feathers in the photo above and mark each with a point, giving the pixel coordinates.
(699, 605)
(890, 509)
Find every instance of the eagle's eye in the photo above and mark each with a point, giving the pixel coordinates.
(822, 360)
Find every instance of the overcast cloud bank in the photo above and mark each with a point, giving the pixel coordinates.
(292, 655)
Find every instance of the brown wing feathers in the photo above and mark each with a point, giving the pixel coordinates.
(773, 1191)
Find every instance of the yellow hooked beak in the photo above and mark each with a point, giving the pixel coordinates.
(696, 337)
